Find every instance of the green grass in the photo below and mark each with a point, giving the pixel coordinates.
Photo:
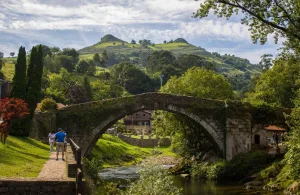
(8, 70)
(22, 157)
(115, 152)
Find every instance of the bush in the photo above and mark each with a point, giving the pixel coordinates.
(48, 104)
(208, 171)
(153, 181)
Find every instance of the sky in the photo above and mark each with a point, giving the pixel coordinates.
(81, 23)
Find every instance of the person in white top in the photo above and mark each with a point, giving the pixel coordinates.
(51, 140)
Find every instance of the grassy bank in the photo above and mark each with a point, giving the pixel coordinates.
(115, 152)
(22, 157)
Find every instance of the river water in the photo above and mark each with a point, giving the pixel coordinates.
(189, 186)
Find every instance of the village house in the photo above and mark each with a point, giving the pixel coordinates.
(264, 136)
(139, 123)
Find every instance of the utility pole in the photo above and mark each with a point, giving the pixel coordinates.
(161, 79)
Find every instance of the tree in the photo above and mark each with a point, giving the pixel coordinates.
(55, 50)
(11, 109)
(165, 41)
(12, 54)
(159, 59)
(88, 88)
(72, 53)
(189, 137)
(131, 78)
(278, 18)
(19, 79)
(265, 62)
(82, 67)
(97, 59)
(1, 61)
(77, 94)
(34, 87)
(46, 50)
(187, 61)
(60, 85)
(278, 85)
(104, 59)
(133, 42)
(32, 64)
(66, 62)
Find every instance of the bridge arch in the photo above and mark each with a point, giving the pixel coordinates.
(90, 120)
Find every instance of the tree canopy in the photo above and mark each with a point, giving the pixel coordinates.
(264, 17)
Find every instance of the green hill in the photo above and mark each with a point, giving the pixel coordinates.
(226, 64)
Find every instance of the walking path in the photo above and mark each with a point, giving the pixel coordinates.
(54, 170)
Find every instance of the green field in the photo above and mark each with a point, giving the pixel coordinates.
(8, 70)
(115, 152)
(22, 157)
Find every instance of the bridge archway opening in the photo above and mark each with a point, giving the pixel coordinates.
(206, 128)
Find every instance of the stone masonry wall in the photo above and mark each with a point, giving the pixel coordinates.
(42, 124)
(145, 142)
(238, 135)
(31, 187)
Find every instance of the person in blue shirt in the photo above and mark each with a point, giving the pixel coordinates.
(60, 139)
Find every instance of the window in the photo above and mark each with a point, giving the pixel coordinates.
(257, 139)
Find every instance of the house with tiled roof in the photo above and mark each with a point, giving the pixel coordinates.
(264, 136)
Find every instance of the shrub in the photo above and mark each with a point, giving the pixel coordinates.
(153, 181)
(208, 171)
(48, 104)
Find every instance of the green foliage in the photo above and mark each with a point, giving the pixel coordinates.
(110, 38)
(82, 67)
(66, 62)
(60, 85)
(241, 165)
(153, 181)
(22, 157)
(293, 154)
(19, 79)
(92, 168)
(88, 88)
(48, 104)
(208, 171)
(101, 90)
(34, 85)
(158, 60)
(72, 53)
(131, 78)
(97, 59)
(263, 18)
(278, 86)
(189, 137)
(180, 40)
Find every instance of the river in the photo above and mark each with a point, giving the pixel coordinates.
(189, 186)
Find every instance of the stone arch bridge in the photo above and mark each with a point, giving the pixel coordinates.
(228, 124)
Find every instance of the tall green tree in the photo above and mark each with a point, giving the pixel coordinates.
(88, 88)
(189, 137)
(97, 59)
(278, 85)
(34, 87)
(19, 79)
(32, 64)
(104, 59)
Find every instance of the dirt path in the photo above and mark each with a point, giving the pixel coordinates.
(54, 170)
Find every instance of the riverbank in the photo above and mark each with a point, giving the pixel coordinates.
(112, 151)
(22, 157)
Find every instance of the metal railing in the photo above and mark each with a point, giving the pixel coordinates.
(77, 154)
